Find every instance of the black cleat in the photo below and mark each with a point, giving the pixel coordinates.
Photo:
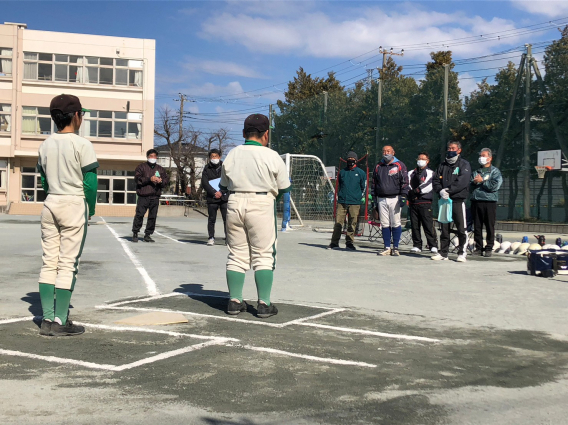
(350, 247)
(332, 246)
(263, 311)
(234, 307)
(147, 238)
(135, 237)
(45, 329)
(68, 330)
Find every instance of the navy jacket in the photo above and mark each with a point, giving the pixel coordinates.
(352, 183)
(390, 180)
(455, 178)
(420, 182)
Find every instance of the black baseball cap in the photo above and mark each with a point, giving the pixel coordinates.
(66, 103)
(256, 122)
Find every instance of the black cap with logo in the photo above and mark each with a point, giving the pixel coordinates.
(256, 122)
(66, 103)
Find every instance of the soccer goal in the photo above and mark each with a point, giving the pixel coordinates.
(312, 194)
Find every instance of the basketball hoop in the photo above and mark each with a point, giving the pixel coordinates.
(542, 169)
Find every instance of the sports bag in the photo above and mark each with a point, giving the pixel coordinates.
(547, 263)
(445, 211)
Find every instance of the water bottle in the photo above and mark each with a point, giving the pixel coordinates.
(525, 239)
(559, 241)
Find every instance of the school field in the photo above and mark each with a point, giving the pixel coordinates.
(359, 338)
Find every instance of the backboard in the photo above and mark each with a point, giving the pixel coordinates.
(550, 158)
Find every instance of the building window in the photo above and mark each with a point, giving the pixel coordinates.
(5, 117)
(32, 190)
(3, 174)
(83, 69)
(36, 120)
(5, 62)
(108, 124)
(116, 187)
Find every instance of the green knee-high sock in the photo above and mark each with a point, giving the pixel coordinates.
(263, 279)
(235, 282)
(46, 295)
(62, 301)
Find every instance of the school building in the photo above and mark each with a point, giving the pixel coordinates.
(112, 76)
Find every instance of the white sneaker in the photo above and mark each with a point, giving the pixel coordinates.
(415, 249)
(461, 259)
(434, 250)
(439, 257)
(211, 242)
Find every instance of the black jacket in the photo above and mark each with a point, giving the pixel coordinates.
(390, 180)
(212, 172)
(455, 178)
(420, 182)
(144, 186)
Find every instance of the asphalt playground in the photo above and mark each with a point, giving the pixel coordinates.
(359, 338)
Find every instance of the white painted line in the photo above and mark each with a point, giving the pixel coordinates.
(304, 356)
(139, 300)
(150, 284)
(155, 331)
(168, 354)
(373, 333)
(168, 237)
(316, 316)
(58, 360)
(18, 319)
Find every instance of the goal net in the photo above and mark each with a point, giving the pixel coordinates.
(312, 194)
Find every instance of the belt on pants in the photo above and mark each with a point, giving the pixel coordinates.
(256, 193)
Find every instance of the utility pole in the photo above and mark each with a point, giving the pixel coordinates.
(445, 113)
(526, 157)
(270, 126)
(180, 179)
(380, 95)
(324, 158)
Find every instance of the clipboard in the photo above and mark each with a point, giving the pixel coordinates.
(215, 184)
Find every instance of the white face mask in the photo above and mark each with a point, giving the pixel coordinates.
(421, 163)
(152, 160)
(214, 161)
(483, 160)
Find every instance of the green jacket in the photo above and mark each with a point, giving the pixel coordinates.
(352, 185)
(488, 188)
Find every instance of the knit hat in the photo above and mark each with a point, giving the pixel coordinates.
(352, 154)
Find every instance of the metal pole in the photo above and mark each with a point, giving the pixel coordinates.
(501, 149)
(270, 126)
(526, 156)
(445, 113)
(379, 105)
(324, 159)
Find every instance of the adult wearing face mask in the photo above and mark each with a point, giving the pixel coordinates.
(352, 183)
(451, 181)
(420, 202)
(216, 198)
(485, 183)
(150, 179)
(390, 186)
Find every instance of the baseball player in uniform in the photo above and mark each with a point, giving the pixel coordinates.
(68, 167)
(254, 177)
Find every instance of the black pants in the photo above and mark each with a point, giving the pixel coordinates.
(421, 216)
(484, 214)
(150, 204)
(460, 221)
(212, 209)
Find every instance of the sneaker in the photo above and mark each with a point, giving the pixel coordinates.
(332, 246)
(384, 252)
(135, 237)
(478, 252)
(350, 247)
(263, 311)
(415, 249)
(45, 329)
(68, 330)
(461, 259)
(439, 257)
(434, 250)
(147, 238)
(395, 253)
(211, 242)
(488, 254)
(234, 307)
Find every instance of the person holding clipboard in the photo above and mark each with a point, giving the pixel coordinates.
(216, 198)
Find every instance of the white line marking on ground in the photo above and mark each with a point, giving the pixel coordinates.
(18, 319)
(304, 356)
(59, 360)
(366, 332)
(316, 316)
(165, 236)
(169, 354)
(150, 284)
(137, 300)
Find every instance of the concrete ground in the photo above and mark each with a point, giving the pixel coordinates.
(359, 338)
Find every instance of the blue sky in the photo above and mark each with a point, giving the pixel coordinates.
(214, 51)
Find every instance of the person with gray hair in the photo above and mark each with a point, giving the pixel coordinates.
(485, 183)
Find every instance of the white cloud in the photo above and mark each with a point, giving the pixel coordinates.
(467, 83)
(318, 34)
(212, 90)
(216, 67)
(551, 9)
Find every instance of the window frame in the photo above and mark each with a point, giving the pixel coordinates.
(5, 58)
(3, 113)
(37, 189)
(113, 120)
(37, 127)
